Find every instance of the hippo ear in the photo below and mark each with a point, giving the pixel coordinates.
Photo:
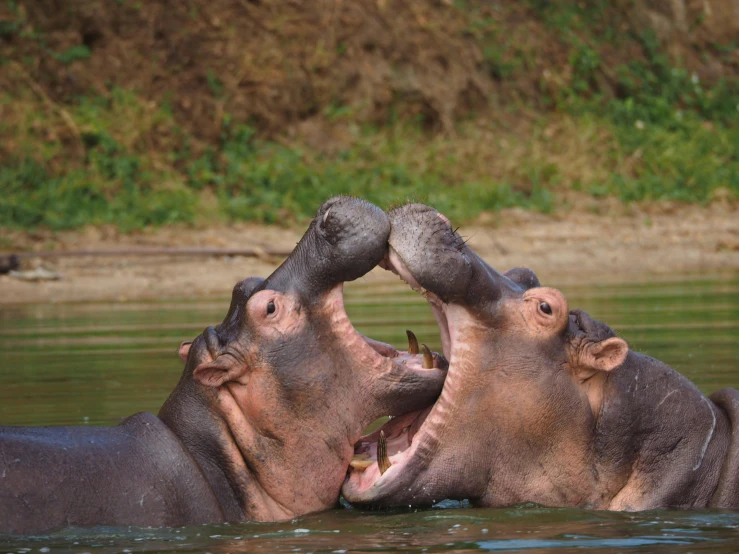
(184, 349)
(221, 370)
(523, 277)
(605, 355)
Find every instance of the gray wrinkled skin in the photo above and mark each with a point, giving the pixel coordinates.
(543, 404)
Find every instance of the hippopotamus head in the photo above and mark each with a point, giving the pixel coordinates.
(518, 393)
(541, 404)
(285, 383)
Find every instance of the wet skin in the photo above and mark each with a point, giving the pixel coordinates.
(263, 421)
(541, 404)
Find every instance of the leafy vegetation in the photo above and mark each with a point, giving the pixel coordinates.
(251, 179)
(643, 129)
(683, 136)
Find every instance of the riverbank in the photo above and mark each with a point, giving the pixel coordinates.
(132, 115)
(637, 244)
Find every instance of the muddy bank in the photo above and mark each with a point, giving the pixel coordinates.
(569, 248)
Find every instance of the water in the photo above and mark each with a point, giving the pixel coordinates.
(527, 529)
(79, 364)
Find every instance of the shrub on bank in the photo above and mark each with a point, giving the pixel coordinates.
(640, 129)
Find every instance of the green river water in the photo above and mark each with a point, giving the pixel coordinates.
(96, 363)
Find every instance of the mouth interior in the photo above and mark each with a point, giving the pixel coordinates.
(391, 444)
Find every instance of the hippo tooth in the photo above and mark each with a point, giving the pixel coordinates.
(383, 461)
(428, 358)
(412, 342)
(361, 461)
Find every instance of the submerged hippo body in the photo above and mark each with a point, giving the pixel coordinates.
(541, 404)
(262, 423)
(136, 473)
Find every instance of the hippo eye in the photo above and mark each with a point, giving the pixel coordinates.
(546, 308)
(271, 307)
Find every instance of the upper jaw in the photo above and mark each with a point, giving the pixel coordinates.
(428, 253)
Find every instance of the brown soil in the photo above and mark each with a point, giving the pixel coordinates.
(658, 245)
(281, 64)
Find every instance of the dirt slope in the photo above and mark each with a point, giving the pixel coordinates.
(277, 64)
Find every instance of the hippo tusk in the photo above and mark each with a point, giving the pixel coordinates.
(428, 358)
(383, 461)
(412, 342)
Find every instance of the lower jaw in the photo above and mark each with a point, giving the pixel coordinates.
(396, 429)
(399, 435)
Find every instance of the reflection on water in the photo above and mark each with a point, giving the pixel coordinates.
(76, 364)
(529, 529)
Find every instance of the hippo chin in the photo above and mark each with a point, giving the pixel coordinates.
(263, 421)
(541, 404)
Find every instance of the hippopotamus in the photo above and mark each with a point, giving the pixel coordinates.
(263, 421)
(542, 404)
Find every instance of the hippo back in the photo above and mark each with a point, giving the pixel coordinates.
(727, 492)
(136, 473)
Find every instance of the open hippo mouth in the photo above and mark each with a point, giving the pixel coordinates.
(417, 363)
(381, 454)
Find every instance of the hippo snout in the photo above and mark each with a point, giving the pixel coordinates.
(347, 239)
(357, 233)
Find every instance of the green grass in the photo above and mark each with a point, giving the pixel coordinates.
(685, 136)
(654, 155)
(252, 180)
(120, 159)
(263, 181)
